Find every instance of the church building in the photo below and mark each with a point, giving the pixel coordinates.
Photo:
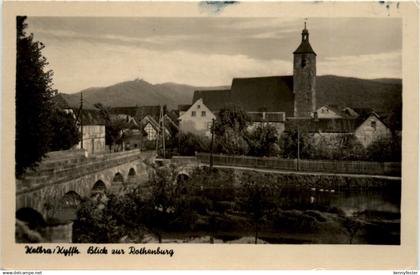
(277, 97)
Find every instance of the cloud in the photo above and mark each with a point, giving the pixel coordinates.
(379, 65)
(85, 65)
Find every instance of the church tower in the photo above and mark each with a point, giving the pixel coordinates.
(304, 77)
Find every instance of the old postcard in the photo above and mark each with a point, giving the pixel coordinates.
(175, 135)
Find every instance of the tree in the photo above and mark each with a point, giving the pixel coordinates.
(230, 129)
(65, 133)
(233, 118)
(263, 141)
(33, 100)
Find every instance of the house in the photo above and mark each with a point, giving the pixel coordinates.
(197, 119)
(149, 119)
(93, 131)
(93, 126)
(366, 129)
(132, 133)
(371, 129)
(153, 128)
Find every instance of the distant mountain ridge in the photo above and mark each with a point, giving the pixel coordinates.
(381, 95)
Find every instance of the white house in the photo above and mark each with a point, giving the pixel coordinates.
(197, 119)
(371, 129)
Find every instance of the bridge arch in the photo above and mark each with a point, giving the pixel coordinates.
(131, 178)
(182, 177)
(118, 178)
(99, 187)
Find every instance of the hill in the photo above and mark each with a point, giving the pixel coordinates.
(136, 92)
(381, 95)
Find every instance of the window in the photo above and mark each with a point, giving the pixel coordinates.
(198, 106)
(373, 124)
(203, 113)
(193, 113)
(303, 64)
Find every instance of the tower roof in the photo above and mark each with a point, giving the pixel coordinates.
(305, 46)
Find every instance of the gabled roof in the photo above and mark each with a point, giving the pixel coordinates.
(184, 107)
(213, 99)
(271, 94)
(342, 112)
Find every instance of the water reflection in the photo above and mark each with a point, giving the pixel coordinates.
(348, 201)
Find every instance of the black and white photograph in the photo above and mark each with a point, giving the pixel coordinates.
(208, 130)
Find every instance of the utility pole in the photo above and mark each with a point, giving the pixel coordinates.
(81, 120)
(298, 148)
(163, 131)
(211, 144)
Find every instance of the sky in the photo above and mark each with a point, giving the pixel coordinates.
(209, 51)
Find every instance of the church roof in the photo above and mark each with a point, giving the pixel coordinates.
(268, 94)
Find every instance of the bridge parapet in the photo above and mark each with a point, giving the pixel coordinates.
(66, 171)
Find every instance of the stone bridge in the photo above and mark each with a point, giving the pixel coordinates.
(64, 178)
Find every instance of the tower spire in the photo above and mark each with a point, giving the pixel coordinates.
(305, 33)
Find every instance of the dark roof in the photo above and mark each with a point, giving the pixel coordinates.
(213, 99)
(304, 47)
(89, 117)
(184, 107)
(267, 116)
(324, 125)
(271, 94)
(139, 112)
(363, 112)
(131, 111)
(60, 102)
(153, 111)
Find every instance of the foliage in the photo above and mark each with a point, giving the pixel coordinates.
(289, 145)
(231, 143)
(33, 100)
(232, 117)
(263, 142)
(229, 130)
(385, 149)
(65, 133)
(190, 143)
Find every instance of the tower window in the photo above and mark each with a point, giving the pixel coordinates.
(303, 62)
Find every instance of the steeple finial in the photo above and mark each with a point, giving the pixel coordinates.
(305, 33)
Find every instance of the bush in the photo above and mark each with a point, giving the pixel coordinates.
(385, 149)
(190, 143)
